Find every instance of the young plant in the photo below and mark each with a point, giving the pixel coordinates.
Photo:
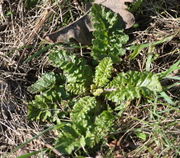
(82, 99)
(90, 118)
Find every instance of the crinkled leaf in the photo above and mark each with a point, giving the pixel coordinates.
(103, 72)
(103, 126)
(68, 140)
(45, 106)
(119, 6)
(131, 85)
(47, 81)
(88, 126)
(75, 69)
(77, 88)
(84, 110)
(109, 37)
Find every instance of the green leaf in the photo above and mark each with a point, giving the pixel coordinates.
(45, 106)
(84, 111)
(131, 85)
(29, 154)
(75, 68)
(78, 74)
(89, 126)
(138, 48)
(68, 139)
(47, 81)
(77, 88)
(174, 67)
(167, 98)
(142, 136)
(103, 72)
(103, 125)
(109, 36)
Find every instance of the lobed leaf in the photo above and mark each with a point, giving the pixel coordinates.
(103, 126)
(131, 85)
(84, 111)
(87, 128)
(103, 72)
(109, 37)
(68, 140)
(77, 88)
(78, 74)
(74, 135)
(45, 106)
(46, 82)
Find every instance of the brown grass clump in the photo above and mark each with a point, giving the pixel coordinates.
(21, 30)
(15, 129)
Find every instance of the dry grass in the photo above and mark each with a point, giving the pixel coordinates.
(21, 33)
